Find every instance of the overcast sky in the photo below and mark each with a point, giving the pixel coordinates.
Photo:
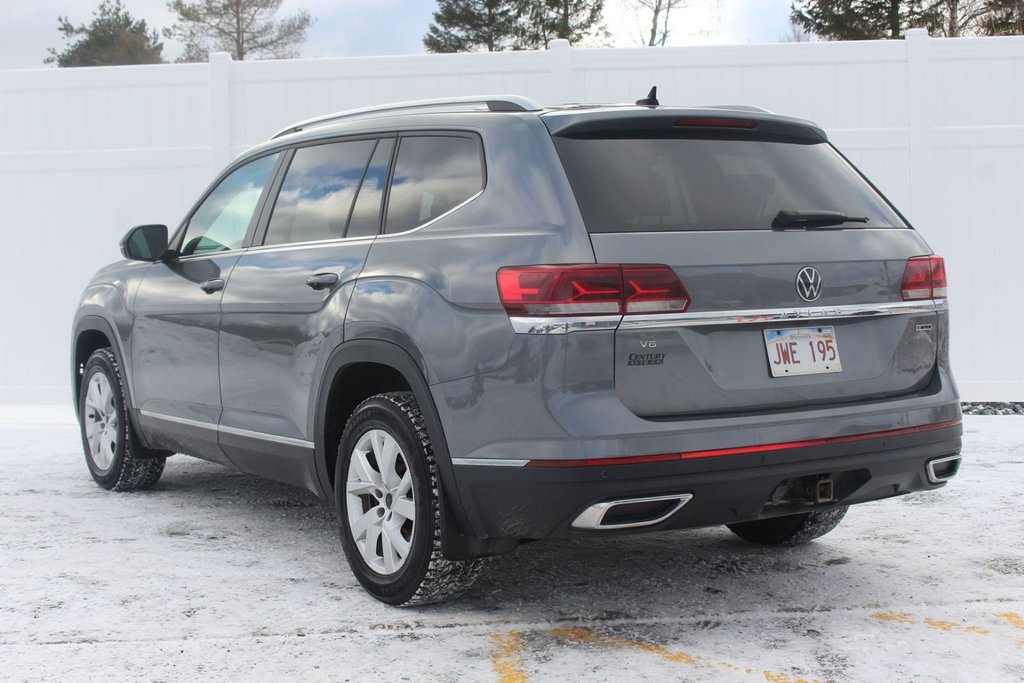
(381, 27)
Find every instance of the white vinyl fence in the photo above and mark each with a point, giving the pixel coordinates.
(938, 124)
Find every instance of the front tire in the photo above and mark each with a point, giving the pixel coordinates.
(790, 530)
(116, 460)
(387, 495)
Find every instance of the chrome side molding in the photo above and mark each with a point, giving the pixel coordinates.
(593, 517)
(490, 462)
(223, 429)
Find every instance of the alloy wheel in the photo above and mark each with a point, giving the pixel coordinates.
(101, 421)
(380, 502)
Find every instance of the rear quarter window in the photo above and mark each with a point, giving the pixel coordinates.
(433, 175)
(643, 185)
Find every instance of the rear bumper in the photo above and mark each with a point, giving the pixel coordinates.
(539, 502)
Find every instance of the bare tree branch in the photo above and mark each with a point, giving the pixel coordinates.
(245, 28)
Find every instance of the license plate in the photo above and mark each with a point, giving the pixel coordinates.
(802, 351)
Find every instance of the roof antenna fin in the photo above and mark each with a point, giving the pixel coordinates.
(651, 100)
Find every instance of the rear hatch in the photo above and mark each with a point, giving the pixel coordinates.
(793, 262)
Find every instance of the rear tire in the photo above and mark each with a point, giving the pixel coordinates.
(116, 459)
(790, 530)
(388, 499)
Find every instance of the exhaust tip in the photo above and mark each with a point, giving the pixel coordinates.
(631, 513)
(941, 470)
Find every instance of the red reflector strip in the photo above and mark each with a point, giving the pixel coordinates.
(742, 450)
(716, 123)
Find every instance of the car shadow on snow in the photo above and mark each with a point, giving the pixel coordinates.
(675, 574)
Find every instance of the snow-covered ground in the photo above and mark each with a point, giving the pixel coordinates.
(217, 575)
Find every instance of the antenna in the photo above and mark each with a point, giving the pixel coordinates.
(651, 100)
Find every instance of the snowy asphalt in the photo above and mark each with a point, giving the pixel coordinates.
(216, 575)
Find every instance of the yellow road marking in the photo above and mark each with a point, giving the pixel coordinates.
(897, 617)
(582, 635)
(953, 626)
(507, 657)
(937, 624)
(587, 637)
(1013, 619)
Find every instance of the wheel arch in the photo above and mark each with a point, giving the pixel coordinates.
(395, 364)
(91, 333)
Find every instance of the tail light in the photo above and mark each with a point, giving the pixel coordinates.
(924, 278)
(591, 290)
(653, 289)
(561, 290)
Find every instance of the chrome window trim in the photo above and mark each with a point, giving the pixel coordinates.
(392, 235)
(237, 431)
(310, 244)
(528, 325)
(771, 315)
(490, 462)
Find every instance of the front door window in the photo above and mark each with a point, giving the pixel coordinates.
(222, 220)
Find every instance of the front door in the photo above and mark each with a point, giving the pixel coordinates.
(177, 316)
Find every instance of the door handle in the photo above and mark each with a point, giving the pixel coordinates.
(321, 280)
(211, 286)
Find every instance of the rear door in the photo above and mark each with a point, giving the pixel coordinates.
(805, 312)
(286, 301)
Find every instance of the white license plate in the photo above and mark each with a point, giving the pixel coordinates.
(802, 351)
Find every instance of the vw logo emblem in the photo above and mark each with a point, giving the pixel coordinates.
(808, 284)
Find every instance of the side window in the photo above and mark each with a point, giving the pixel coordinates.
(317, 193)
(433, 174)
(365, 219)
(221, 221)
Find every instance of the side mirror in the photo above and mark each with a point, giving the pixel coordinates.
(145, 243)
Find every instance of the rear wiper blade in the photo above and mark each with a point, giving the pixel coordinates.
(811, 220)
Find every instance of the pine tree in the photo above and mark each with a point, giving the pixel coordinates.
(113, 37)
(1004, 18)
(864, 19)
(545, 20)
(469, 25)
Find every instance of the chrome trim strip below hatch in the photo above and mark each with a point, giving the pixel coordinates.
(556, 325)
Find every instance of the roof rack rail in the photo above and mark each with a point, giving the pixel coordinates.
(507, 103)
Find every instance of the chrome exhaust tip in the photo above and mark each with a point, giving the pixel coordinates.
(631, 513)
(941, 470)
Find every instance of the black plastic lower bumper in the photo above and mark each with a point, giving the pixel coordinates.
(531, 503)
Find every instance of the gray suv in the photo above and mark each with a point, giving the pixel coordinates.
(475, 322)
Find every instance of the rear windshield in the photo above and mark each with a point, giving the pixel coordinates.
(644, 185)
